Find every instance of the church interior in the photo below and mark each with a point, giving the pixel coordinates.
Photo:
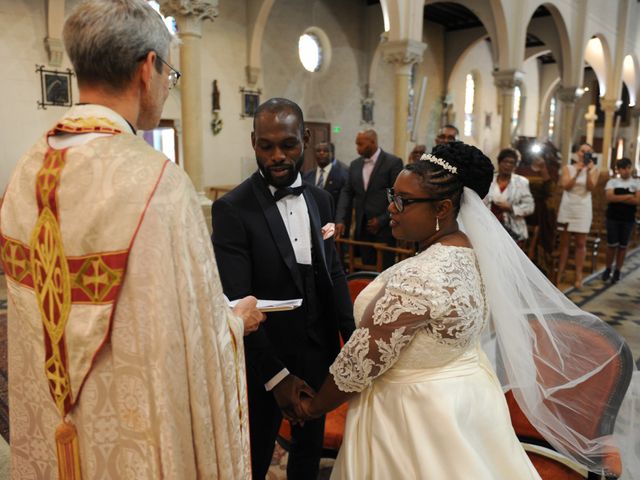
(543, 77)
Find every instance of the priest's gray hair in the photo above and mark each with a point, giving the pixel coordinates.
(106, 40)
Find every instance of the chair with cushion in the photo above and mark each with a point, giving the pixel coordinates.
(335, 420)
(607, 387)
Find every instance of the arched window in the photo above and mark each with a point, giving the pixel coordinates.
(517, 95)
(310, 52)
(469, 100)
(314, 49)
(552, 116)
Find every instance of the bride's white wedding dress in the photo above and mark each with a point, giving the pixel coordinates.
(430, 405)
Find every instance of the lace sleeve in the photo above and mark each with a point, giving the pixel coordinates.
(416, 297)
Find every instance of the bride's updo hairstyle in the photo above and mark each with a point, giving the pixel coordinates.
(451, 167)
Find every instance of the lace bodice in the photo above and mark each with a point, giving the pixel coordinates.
(421, 313)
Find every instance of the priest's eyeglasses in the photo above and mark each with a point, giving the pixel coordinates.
(174, 75)
(400, 202)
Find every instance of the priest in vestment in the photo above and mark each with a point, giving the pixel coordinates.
(124, 359)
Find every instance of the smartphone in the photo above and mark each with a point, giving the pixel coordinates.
(590, 157)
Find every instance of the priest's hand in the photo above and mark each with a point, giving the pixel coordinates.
(288, 394)
(250, 315)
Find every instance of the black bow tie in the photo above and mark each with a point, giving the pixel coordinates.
(283, 192)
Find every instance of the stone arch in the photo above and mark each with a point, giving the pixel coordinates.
(554, 33)
(254, 46)
(491, 15)
(599, 58)
(401, 21)
(631, 77)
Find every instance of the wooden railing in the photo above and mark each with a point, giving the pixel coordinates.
(348, 251)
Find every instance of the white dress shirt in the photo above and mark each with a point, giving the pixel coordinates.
(325, 171)
(367, 168)
(294, 213)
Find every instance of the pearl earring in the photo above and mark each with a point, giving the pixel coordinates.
(437, 224)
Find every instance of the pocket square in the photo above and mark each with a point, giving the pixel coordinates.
(328, 230)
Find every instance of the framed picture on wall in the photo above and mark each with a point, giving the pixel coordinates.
(55, 88)
(250, 101)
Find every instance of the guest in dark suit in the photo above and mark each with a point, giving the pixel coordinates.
(330, 173)
(267, 240)
(370, 175)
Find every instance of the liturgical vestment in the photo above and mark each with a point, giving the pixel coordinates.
(117, 322)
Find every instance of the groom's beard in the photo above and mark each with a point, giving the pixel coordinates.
(286, 180)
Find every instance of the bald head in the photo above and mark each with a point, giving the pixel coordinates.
(417, 152)
(367, 143)
(279, 107)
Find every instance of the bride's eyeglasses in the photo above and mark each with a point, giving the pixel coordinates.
(400, 202)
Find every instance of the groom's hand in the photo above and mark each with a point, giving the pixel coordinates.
(287, 395)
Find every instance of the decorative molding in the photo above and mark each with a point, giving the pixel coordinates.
(55, 50)
(403, 52)
(252, 74)
(200, 9)
(569, 94)
(507, 79)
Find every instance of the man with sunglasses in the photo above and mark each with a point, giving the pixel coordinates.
(95, 219)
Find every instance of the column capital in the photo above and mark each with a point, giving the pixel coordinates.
(403, 52)
(253, 73)
(609, 105)
(55, 50)
(507, 79)
(200, 9)
(569, 94)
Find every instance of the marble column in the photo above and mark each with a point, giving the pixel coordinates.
(591, 118)
(506, 81)
(568, 96)
(189, 15)
(608, 106)
(402, 55)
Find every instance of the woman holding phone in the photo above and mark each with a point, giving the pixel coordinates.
(578, 181)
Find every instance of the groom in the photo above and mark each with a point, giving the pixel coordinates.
(269, 241)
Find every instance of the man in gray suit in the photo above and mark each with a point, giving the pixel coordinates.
(366, 189)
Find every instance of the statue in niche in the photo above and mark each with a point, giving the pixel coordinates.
(367, 110)
(216, 121)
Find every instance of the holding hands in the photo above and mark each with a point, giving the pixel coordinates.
(294, 397)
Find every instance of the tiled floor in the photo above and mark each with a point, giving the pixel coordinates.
(619, 304)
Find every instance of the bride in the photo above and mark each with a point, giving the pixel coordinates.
(425, 401)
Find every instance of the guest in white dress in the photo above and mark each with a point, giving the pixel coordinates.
(578, 181)
(425, 401)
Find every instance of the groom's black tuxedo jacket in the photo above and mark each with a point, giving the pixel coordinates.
(255, 257)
